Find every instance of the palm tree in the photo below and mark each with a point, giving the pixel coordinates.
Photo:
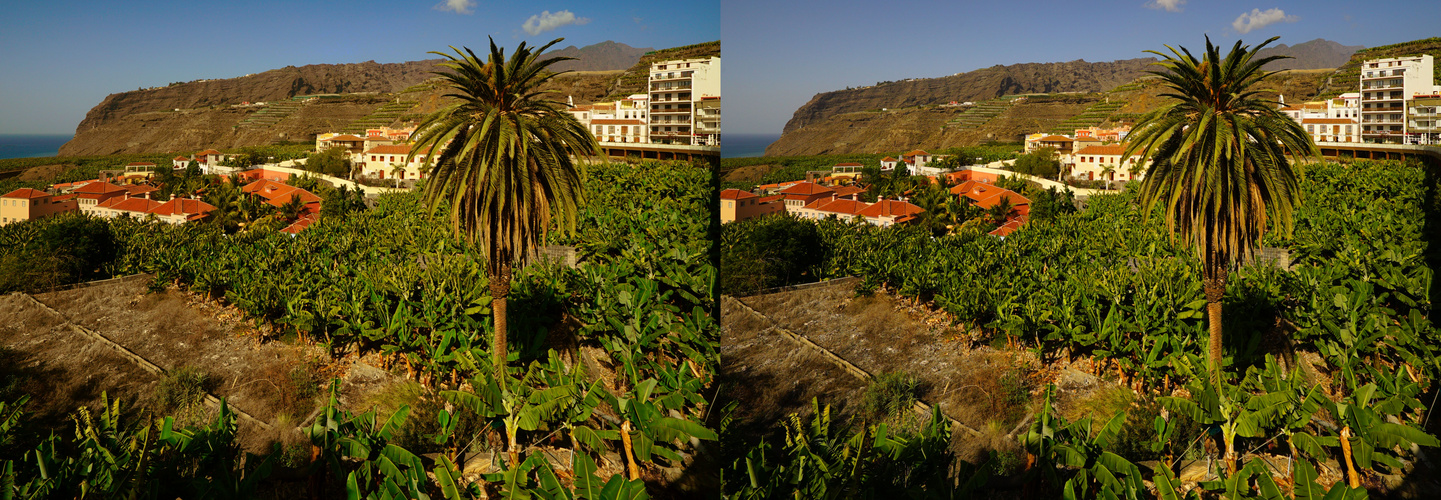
(1108, 172)
(1219, 163)
(504, 167)
(397, 170)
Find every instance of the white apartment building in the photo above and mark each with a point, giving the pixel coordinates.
(622, 121)
(1331, 120)
(685, 102)
(1386, 86)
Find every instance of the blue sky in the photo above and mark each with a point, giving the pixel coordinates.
(780, 54)
(62, 57)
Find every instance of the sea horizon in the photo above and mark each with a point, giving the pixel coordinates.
(32, 145)
(746, 145)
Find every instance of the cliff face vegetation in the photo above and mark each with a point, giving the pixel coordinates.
(197, 115)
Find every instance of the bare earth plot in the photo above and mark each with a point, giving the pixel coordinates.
(772, 375)
(168, 329)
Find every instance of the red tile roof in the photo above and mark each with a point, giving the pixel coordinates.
(209, 152)
(182, 206)
(842, 207)
(1006, 229)
(390, 149)
(986, 196)
(1056, 138)
(769, 199)
(806, 189)
(181, 158)
(25, 194)
(278, 194)
(736, 194)
(890, 208)
(848, 190)
(888, 159)
(137, 205)
(1111, 149)
(916, 153)
(63, 197)
(97, 190)
(300, 224)
(346, 137)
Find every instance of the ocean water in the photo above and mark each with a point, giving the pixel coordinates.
(746, 145)
(31, 146)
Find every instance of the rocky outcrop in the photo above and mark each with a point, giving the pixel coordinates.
(978, 85)
(204, 113)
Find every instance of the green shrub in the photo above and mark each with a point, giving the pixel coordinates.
(891, 394)
(181, 389)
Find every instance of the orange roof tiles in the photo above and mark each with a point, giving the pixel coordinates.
(278, 194)
(25, 194)
(182, 206)
(181, 158)
(916, 153)
(848, 190)
(1056, 138)
(986, 196)
(209, 152)
(736, 194)
(300, 224)
(844, 207)
(390, 149)
(890, 208)
(769, 199)
(137, 205)
(888, 159)
(806, 189)
(1110, 149)
(1006, 229)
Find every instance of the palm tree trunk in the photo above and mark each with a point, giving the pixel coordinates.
(499, 292)
(1215, 289)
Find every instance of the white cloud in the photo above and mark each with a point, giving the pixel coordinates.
(457, 6)
(1257, 19)
(545, 21)
(1169, 5)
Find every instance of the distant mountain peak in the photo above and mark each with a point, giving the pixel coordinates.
(1315, 54)
(603, 56)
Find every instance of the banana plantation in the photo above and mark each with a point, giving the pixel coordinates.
(1331, 359)
(609, 365)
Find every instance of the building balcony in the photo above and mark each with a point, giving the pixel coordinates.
(682, 111)
(663, 88)
(685, 99)
(687, 76)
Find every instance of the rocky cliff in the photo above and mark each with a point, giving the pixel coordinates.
(213, 113)
(903, 115)
(978, 85)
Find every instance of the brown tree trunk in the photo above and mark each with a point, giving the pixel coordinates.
(499, 291)
(1215, 289)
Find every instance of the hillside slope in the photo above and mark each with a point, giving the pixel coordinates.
(207, 114)
(907, 114)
